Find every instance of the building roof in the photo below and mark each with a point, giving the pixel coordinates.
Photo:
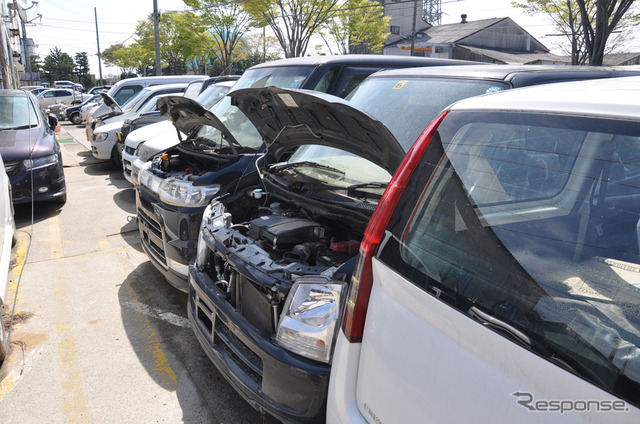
(614, 59)
(453, 33)
(515, 57)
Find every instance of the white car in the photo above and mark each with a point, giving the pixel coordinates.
(7, 238)
(499, 277)
(55, 96)
(163, 135)
(103, 136)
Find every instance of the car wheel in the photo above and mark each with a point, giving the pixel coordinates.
(116, 157)
(75, 118)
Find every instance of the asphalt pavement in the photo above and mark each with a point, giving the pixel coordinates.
(100, 336)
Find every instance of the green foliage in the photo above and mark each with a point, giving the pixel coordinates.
(57, 66)
(586, 24)
(36, 63)
(359, 26)
(82, 70)
(183, 37)
(227, 23)
(293, 22)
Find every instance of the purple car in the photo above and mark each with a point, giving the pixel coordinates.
(29, 149)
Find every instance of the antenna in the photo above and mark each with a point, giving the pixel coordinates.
(432, 11)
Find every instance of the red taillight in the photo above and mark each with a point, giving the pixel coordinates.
(362, 280)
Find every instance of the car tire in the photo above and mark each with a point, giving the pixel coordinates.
(75, 118)
(116, 158)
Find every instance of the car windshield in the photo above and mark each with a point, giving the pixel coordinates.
(534, 219)
(149, 106)
(17, 113)
(405, 105)
(337, 168)
(212, 95)
(237, 122)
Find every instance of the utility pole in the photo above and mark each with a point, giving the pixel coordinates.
(5, 61)
(27, 56)
(413, 30)
(156, 35)
(95, 12)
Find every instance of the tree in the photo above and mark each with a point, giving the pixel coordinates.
(571, 22)
(359, 26)
(36, 64)
(227, 22)
(608, 15)
(183, 37)
(293, 22)
(58, 66)
(82, 69)
(126, 59)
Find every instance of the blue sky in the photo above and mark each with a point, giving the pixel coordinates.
(70, 24)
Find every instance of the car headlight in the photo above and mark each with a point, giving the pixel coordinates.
(136, 168)
(149, 179)
(185, 194)
(41, 161)
(201, 247)
(310, 317)
(99, 137)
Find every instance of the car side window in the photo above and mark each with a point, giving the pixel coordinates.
(126, 93)
(49, 94)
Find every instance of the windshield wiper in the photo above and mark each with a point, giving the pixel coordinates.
(518, 336)
(308, 164)
(367, 185)
(20, 127)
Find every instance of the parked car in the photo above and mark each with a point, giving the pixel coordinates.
(125, 89)
(30, 150)
(245, 239)
(103, 138)
(67, 96)
(498, 278)
(74, 113)
(7, 239)
(99, 88)
(161, 135)
(179, 218)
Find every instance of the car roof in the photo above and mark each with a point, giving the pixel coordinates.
(355, 59)
(609, 98)
(13, 93)
(516, 75)
(153, 88)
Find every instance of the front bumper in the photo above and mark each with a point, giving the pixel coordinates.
(102, 150)
(128, 157)
(270, 378)
(169, 235)
(48, 183)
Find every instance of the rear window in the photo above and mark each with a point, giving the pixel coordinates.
(533, 220)
(125, 93)
(406, 105)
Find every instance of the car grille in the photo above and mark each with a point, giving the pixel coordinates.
(153, 242)
(228, 344)
(11, 167)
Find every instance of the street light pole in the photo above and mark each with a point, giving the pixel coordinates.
(156, 35)
(95, 12)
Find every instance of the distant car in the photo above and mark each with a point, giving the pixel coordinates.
(67, 96)
(74, 113)
(499, 278)
(103, 137)
(68, 84)
(30, 150)
(99, 88)
(7, 238)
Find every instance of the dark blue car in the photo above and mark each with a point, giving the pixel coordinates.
(29, 149)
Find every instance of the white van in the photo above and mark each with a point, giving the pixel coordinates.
(499, 278)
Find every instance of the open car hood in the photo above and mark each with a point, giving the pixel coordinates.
(109, 101)
(187, 114)
(291, 118)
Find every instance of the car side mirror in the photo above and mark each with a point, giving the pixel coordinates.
(53, 120)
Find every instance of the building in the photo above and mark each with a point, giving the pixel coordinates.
(495, 40)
